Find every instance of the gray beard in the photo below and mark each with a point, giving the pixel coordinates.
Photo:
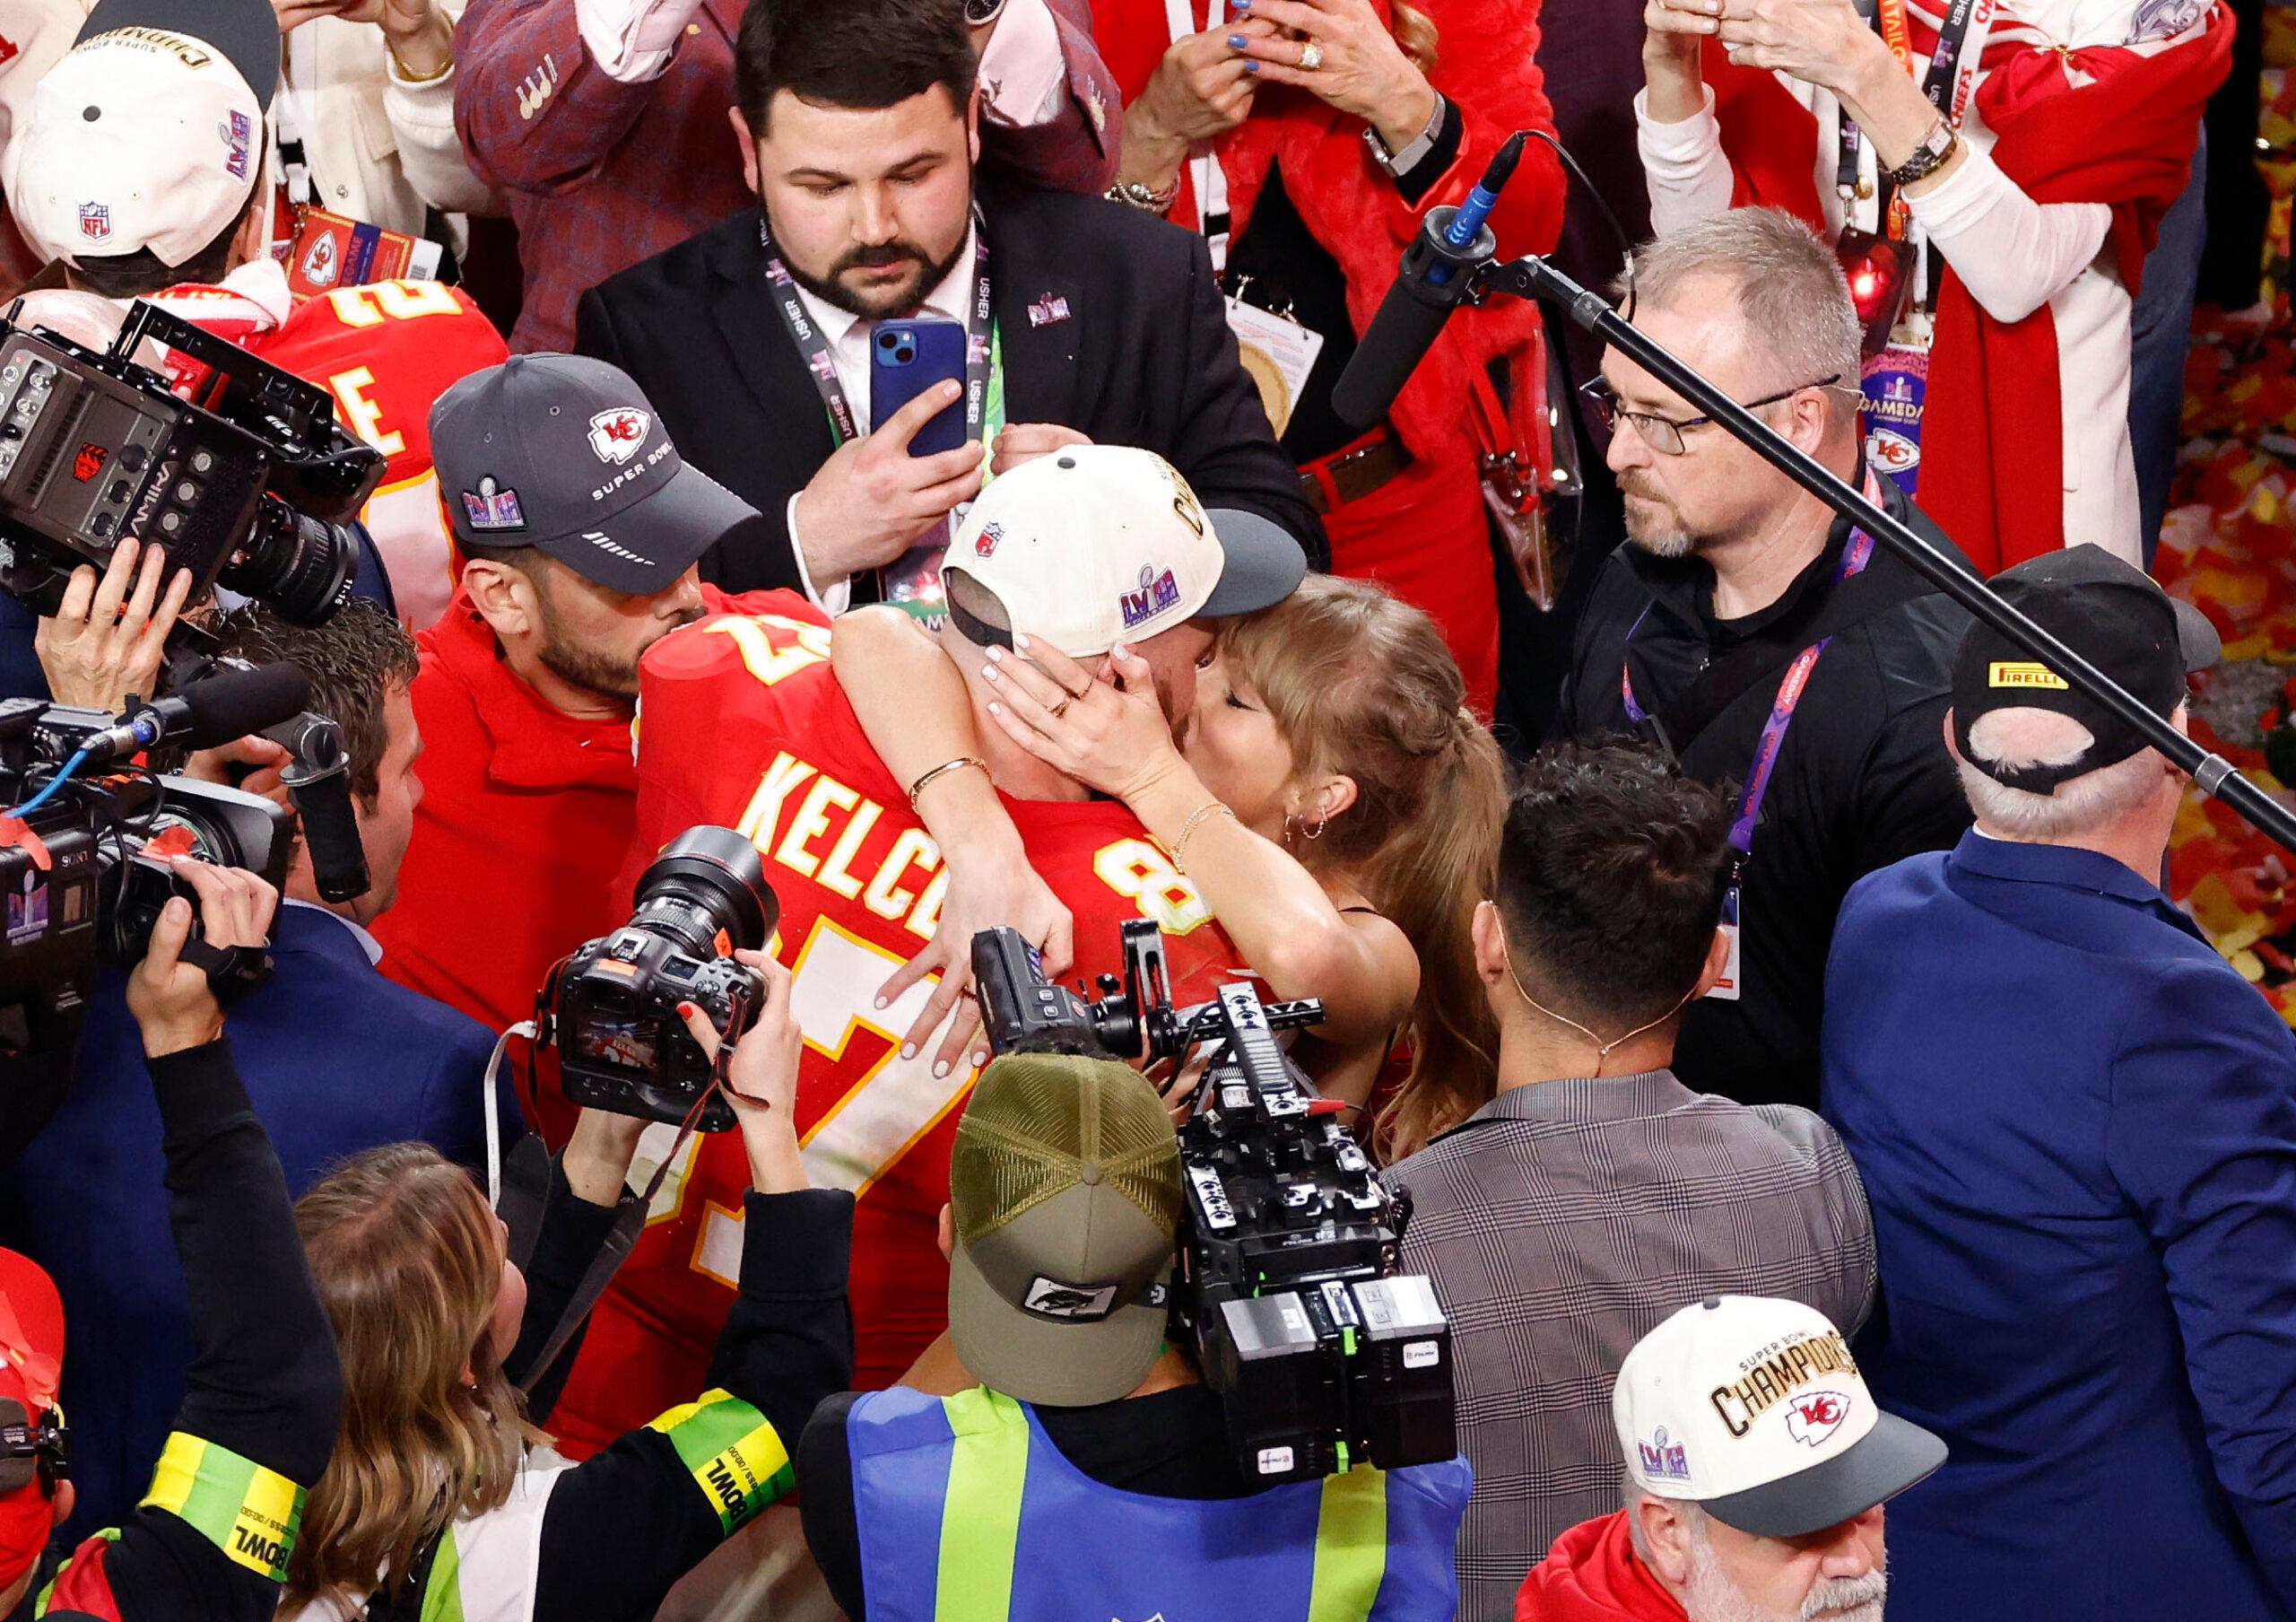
(1708, 1595)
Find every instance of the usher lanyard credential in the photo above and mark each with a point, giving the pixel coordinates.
(984, 348)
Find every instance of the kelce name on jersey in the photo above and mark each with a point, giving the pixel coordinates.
(825, 833)
(828, 823)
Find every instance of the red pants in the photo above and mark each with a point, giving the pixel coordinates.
(1423, 535)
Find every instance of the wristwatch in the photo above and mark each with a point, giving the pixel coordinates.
(1402, 162)
(1928, 158)
(980, 13)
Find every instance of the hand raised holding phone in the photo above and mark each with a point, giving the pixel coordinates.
(872, 498)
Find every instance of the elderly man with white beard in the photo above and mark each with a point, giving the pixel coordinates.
(1757, 1465)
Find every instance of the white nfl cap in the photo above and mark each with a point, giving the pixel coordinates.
(148, 134)
(1754, 1408)
(1097, 544)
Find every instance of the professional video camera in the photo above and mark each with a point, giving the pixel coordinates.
(1291, 1287)
(612, 1006)
(83, 857)
(249, 481)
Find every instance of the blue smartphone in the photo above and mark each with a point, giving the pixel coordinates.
(906, 358)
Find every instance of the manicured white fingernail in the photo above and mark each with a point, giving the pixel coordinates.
(941, 1070)
(881, 1002)
(979, 1059)
(1021, 642)
(994, 708)
(909, 1049)
(988, 672)
(995, 654)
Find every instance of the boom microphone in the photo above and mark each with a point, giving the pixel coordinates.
(1436, 277)
(230, 705)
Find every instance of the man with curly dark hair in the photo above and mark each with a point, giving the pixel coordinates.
(1597, 1194)
(336, 1059)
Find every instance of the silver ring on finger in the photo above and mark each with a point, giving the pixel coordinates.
(1312, 56)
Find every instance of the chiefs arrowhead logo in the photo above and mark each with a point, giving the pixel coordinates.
(1814, 1416)
(617, 435)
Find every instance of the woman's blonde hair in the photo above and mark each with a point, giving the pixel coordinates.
(1416, 33)
(1362, 685)
(408, 1259)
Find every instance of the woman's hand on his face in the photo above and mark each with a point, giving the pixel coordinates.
(1110, 735)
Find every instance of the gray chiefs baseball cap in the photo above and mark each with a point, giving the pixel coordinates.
(563, 453)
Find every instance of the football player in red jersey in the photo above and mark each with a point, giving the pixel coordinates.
(743, 724)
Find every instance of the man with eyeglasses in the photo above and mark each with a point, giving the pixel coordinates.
(1759, 640)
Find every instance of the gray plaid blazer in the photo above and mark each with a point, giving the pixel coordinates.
(1562, 1222)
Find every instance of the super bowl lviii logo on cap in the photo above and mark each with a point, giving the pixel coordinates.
(1158, 591)
(490, 507)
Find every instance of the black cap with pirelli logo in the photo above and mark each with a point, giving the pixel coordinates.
(2113, 615)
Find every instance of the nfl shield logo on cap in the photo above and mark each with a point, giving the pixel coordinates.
(95, 221)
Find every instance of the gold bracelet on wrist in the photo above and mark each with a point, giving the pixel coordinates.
(408, 75)
(918, 787)
(1187, 830)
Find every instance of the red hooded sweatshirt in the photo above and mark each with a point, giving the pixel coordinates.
(1593, 1576)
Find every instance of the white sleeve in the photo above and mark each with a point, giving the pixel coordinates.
(2012, 254)
(1023, 66)
(1683, 164)
(839, 596)
(632, 40)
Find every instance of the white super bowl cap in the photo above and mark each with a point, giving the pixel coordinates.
(1754, 1408)
(1097, 544)
(148, 134)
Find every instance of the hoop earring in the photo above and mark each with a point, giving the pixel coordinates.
(1317, 831)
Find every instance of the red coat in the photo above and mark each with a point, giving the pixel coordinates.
(1484, 52)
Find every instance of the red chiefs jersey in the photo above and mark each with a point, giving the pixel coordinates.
(385, 353)
(741, 723)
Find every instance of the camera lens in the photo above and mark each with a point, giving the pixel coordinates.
(904, 355)
(707, 893)
(298, 567)
(143, 889)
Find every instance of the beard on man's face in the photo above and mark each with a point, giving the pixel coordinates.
(873, 299)
(610, 674)
(1653, 522)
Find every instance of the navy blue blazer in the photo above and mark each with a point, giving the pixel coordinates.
(2077, 1127)
(336, 1059)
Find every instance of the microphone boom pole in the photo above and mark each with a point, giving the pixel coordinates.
(1534, 278)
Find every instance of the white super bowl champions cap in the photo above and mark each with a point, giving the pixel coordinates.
(1097, 544)
(1754, 1408)
(148, 134)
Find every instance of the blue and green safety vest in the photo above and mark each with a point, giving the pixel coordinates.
(968, 1513)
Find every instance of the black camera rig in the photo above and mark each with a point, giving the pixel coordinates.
(1291, 1287)
(244, 478)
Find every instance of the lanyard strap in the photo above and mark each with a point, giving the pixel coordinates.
(1211, 182)
(984, 346)
(1954, 65)
(1855, 555)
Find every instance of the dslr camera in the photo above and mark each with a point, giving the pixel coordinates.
(1291, 1287)
(612, 1006)
(244, 475)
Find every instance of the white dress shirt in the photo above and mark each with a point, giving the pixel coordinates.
(848, 348)
(2013, 254)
